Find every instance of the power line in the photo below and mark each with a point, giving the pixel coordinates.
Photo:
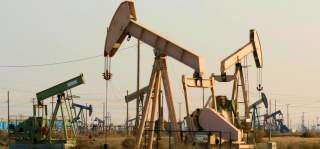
(59, 63)
(50, 64)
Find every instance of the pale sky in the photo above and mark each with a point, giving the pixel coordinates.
(44, 31)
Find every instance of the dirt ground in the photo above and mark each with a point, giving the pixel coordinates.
(122, 142)
(117, 142)
(114, 142)
(289, 142)
(284, 142)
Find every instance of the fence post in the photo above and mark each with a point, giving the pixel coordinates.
(209, 139)
(145, 139)
(230, 141)
(220, 134)
(158, 136)
(169, 137)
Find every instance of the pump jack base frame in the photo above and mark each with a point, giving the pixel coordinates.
(159, 73)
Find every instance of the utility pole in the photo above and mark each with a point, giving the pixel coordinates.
(202, 97)
(258, 116)
(86, 120)
(308, 125)
(160, 115)
(8, 95)
(52, 102)
(33, 103)
(292, 125)
(270, 105)
(268, 123)
(127, 121)
(162, 119)
(180, 111)
(275, 105)
(313, 126)
(138, 83)
(302, 124)
(317, 125)
(288, 123)
(103, 117)
(107, 65)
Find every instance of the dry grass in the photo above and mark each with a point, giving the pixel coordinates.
(120, 142)
(305, 141)
(260, 134)
(296, 142)
(114, 142)
(3, 139)
(309, 134)
(128, 143)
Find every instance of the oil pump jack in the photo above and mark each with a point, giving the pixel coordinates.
(62, 103)
(38, 131)
(223, 114)
(124, 23)
(80, 115)
(100, 121)
(277, 122)
(238, 79)
(255, 112)
(254, 47)
(139, 109)
(140, 100)
(99, 125)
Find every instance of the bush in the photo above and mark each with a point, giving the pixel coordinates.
(260, 134)
(310, 134)
(128, 143)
